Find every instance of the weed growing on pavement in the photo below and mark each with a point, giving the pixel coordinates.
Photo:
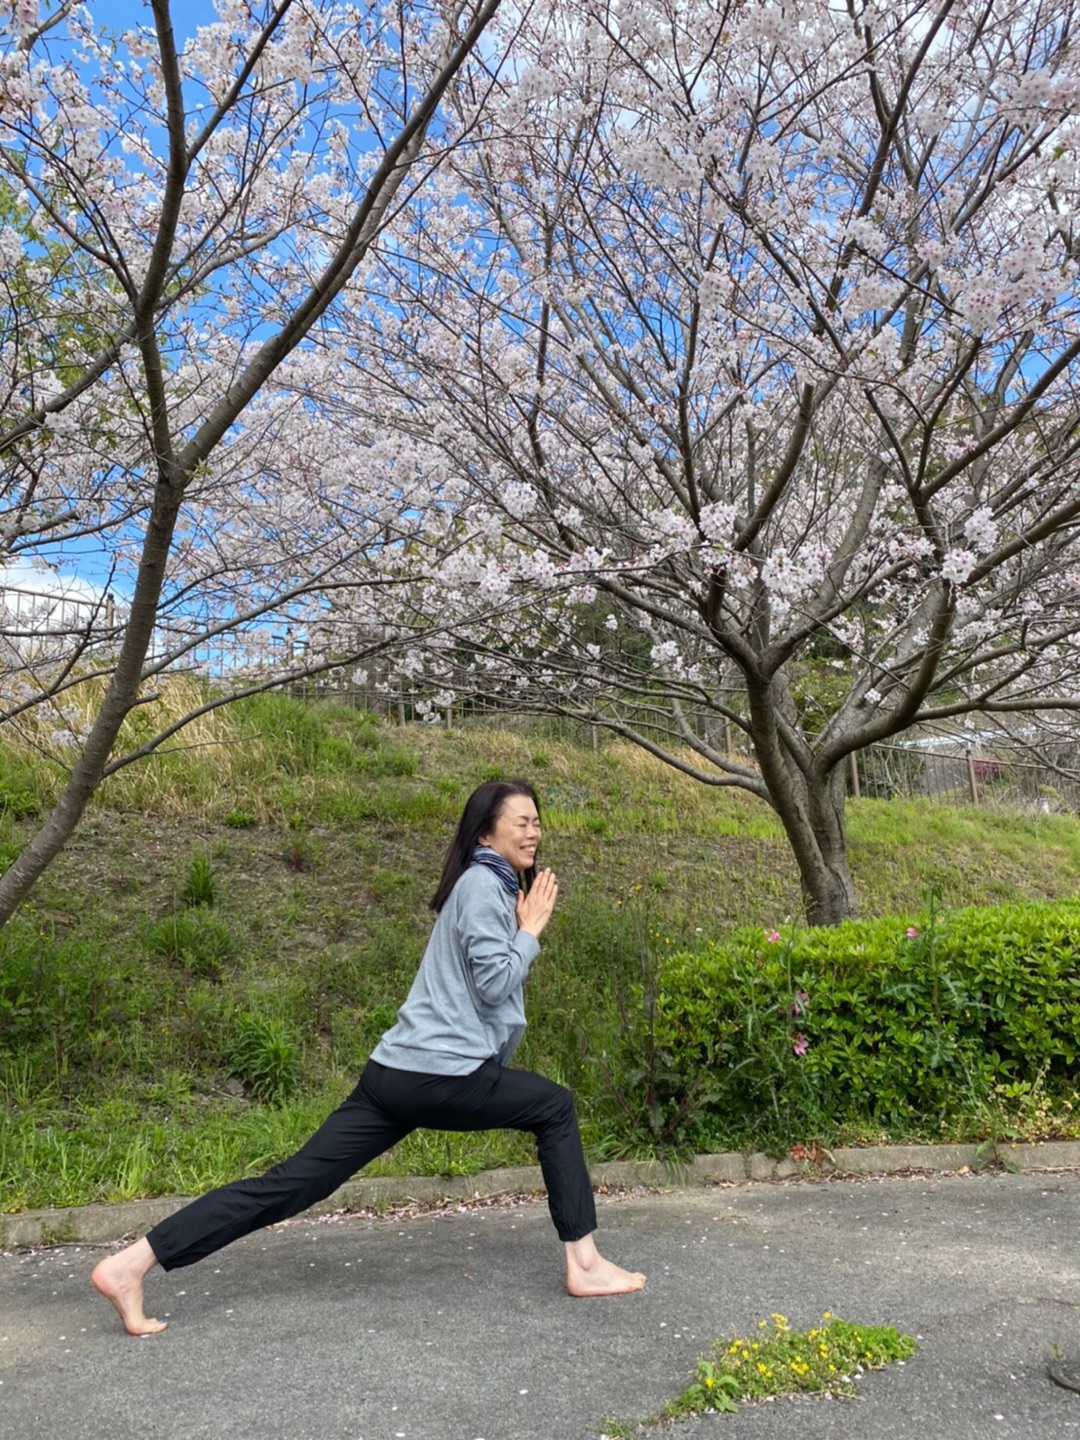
(827, 1360)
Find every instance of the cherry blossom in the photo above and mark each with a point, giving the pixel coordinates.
(772, 314)
(180, 214)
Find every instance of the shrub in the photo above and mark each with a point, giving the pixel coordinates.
(881, 1022)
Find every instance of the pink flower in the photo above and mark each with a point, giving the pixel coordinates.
(912, 932)
(800, 1002)
(802, 1044)
(773, 936)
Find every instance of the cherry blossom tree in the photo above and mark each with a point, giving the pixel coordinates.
(179, 218)
(743, 344)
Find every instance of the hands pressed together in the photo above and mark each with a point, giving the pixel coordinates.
(534, 909)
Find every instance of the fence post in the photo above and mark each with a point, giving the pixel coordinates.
(856, 792)
(972, 778)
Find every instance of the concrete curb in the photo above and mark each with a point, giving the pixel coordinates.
(103, 1224)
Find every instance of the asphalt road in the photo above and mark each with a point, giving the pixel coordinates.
(456, 1327)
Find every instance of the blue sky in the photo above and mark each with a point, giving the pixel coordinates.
(187, 15)
(83, 573)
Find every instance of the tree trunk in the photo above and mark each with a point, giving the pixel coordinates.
(120, 699)
(808, 798)
(827, 885)
(811, 810)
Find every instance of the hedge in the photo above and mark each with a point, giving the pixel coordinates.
(898, 1024)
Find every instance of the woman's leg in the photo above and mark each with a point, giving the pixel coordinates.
(350, 1138)
(495, 1098)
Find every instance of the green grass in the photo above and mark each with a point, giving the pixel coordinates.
(280, 865)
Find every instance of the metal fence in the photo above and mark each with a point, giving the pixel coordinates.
(960, 774)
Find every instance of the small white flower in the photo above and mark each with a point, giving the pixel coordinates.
(957, 566)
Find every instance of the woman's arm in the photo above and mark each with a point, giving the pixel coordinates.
(497, 948)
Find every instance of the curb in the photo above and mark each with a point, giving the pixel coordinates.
(104, 1224)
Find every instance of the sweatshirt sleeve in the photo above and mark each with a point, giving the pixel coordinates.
(497, 952)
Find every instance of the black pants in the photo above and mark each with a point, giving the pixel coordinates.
(385, 1106)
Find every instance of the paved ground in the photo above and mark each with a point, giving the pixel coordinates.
(454, 1327)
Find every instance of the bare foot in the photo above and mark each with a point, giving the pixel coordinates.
(588, 1273)
(120, 1279)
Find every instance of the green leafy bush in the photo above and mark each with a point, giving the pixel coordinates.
(264, 1056)
(884, 1022)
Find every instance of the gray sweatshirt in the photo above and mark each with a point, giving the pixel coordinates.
(465, 1005)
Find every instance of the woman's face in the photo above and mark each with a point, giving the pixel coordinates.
(517, 832)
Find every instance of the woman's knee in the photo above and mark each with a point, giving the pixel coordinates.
(560, 1108)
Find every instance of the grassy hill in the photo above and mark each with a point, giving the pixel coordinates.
(242, 917)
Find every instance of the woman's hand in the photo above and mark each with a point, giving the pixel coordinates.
(534, 909)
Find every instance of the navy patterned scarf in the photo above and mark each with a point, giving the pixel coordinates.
(508, 876)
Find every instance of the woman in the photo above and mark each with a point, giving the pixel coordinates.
(443, 1064)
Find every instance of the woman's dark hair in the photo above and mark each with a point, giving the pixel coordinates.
(481, 812)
